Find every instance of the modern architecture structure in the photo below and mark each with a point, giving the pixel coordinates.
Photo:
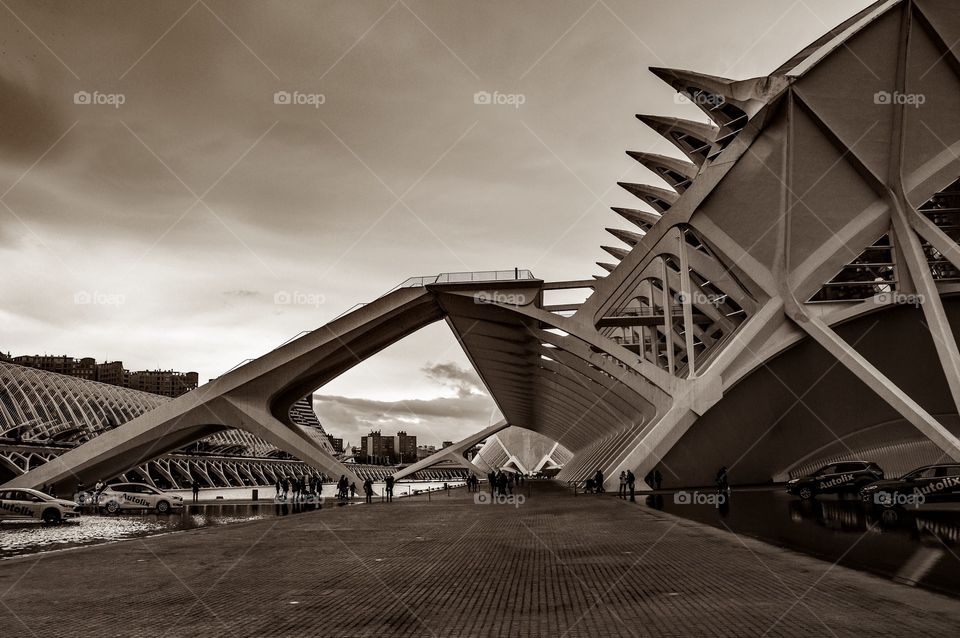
(786, 294)
(524, 451)
(45, 414)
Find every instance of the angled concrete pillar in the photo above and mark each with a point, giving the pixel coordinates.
(453, 452)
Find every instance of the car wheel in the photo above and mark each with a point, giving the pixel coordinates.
(806, 493)
(51, 516)
(163, 507)
(113, 507)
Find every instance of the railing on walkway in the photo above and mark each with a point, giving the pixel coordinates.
(516, 274)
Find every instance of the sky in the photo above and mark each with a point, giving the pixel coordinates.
(188, 184)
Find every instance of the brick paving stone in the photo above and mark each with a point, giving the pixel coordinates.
(556, 565)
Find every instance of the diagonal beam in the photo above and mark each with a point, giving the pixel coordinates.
(453, 451)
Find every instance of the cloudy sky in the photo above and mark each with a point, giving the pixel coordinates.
(157, 205)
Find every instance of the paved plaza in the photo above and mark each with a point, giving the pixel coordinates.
(554, 565)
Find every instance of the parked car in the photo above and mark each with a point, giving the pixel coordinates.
(928, 484)
(27, 504)
(137, 496)
(845, 476)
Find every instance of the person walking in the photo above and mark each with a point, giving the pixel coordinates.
(631, 483)
(623, 485)
(657, 479)
(196, 490)
(598, 481)
(723, 483)
(492, 480)
(389, 482)
(368, 489)
(353, 490)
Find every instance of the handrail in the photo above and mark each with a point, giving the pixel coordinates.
(293, 338)
(244, 362)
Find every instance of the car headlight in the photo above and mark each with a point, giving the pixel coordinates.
(870, 488)
(793, 481)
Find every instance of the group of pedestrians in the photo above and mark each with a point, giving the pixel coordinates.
(299, 488)
(594, 485)
(473, 483)
(502, 482)
(628, 482)
(345, 487)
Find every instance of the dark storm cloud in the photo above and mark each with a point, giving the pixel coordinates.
(30, 123)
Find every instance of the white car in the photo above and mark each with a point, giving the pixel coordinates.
(137, 496)
(26, 504)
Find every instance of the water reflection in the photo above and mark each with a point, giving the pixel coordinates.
(30, 537)
(912, 546)
(18, 538)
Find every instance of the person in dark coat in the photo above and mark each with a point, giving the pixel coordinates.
(389, 482)
(598, 481)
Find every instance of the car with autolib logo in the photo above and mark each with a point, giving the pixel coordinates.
(137, 496)
(836, 478)
(23, 504)
(939, 483)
